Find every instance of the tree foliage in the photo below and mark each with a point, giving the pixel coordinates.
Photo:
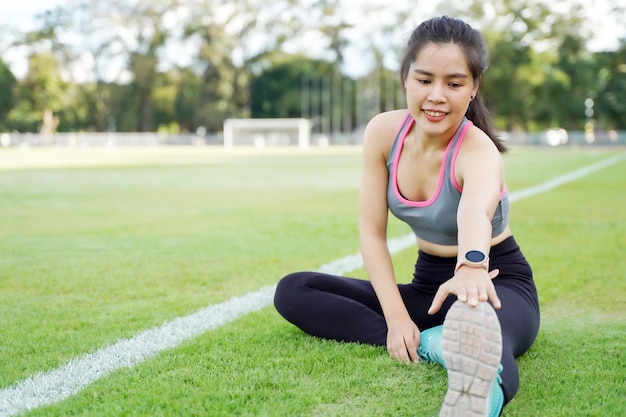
(145, 65)
(7, 100)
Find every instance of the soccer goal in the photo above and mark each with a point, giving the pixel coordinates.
(267, 132)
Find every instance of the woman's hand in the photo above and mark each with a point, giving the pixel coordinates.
(403, 338)
(471, 285)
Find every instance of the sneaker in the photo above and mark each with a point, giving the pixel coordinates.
(472, 349)
(496, 397)
(430, 349)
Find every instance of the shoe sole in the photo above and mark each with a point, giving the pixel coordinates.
(472, 350)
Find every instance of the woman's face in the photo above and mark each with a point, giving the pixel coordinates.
(439, 88)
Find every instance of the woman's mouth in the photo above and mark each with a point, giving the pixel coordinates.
(434, 115)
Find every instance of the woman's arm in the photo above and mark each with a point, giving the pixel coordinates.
(403, 334)
(479, 170)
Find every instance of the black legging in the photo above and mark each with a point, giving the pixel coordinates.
(347, 309)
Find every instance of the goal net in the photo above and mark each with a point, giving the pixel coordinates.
(267, 132)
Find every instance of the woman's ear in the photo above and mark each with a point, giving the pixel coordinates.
(475, 89)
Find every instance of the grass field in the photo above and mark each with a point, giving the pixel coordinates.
(97, 246)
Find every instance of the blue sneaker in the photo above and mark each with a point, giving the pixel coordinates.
(430, 349)
(495, 401)
(472, 350)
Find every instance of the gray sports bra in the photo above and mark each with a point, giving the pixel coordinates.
(434, 220)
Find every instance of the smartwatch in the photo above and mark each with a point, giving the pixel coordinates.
(473, 259)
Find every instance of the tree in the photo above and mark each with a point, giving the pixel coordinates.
(525, 69)
(240, 59)
(234, 40)
(297, 86)
(507, 91)
(277, 90)
(188, 87)
(127, 35)
(163, 102)
(100, 25)
(41, 94)
(7, 100)
(610, 102)
(147, 20)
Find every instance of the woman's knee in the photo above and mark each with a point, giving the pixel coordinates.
(287, 290)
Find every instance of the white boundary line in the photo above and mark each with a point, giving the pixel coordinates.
(574, 175)
(53, 386)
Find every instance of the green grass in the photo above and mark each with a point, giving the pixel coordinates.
(92, 254)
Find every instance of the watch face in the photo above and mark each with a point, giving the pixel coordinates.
(475, 256)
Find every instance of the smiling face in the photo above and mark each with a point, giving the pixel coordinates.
(439, 88)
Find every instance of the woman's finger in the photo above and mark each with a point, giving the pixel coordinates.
(440, 296)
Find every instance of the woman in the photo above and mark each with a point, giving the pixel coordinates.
(438, 167)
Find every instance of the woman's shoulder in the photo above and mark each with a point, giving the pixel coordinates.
(477, 149)
(388, 120)
(383, 127)
(478, 141)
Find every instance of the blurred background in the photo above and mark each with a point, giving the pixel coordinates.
(76, 72)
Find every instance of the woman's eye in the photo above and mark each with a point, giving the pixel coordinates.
(422, 81)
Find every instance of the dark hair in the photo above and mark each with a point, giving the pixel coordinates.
(446, 29)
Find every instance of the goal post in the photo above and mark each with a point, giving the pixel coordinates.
(267, 132)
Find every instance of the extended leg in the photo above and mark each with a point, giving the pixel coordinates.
(472, 349)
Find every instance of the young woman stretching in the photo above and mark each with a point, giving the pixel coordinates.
(437, 166)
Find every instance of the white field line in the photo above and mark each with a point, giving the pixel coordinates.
(53, 386)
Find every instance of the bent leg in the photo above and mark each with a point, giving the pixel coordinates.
(332, 307)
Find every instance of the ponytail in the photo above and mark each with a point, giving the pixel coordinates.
(482, 118)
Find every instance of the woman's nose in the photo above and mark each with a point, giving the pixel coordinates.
(436, 93)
